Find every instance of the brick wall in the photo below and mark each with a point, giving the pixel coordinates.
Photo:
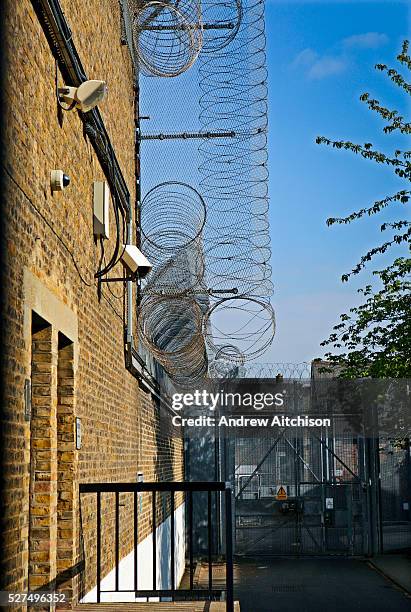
(67, 468)
(51, 258)
(43, 460)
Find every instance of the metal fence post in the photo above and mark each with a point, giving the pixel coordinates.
(229, 549)
(98, 555)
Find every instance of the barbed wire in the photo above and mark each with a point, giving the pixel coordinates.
(208, 297)
(167, 36)
(221, 22)
(272, 370)
(234, 172)
(171, 330)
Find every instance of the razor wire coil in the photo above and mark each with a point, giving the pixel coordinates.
(173, 215)
(212, 241)
(167, 36)
(288, 370)
(171, 330)
(247, 323)
(234, 172)
(221, 19)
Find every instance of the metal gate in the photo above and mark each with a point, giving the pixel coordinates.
(340, 489)
(395, 479)
(300, 493)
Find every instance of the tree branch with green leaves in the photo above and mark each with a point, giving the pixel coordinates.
(374, 339)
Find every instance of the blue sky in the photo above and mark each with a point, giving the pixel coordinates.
(320, 59)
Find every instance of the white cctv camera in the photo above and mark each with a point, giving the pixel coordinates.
(58, 180)
(85, 97)
(134, 260)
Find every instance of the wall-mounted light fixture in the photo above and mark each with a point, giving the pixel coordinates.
(85, 97)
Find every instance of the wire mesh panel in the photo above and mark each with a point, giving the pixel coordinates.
(202, 151)
(395, 470)
(300, 493)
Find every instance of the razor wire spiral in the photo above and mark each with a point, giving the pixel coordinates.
(221, 367)
(246, 322)
(221, 22)
(167, 36)
(234, 183)
(206, 307)
(173, 215)
(234, 173)
(296, 371)
(171, 314)
(171, 330)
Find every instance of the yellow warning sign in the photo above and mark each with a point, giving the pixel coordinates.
(281, 494)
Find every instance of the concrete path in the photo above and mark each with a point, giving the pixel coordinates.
(397, 567)
(315, 585)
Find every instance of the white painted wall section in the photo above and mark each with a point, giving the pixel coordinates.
(145, 564)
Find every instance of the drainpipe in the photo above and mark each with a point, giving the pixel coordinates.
(129, 312)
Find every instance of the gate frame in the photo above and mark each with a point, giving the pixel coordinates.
(367, 480)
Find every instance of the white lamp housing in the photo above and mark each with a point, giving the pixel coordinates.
(85, 97)
(134, 260)
(101, 207)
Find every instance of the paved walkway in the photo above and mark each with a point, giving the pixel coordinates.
(397, 567)
(315, 585)
(298, 585)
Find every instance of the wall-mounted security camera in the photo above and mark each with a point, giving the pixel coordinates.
(134, 260)
(59, 180)
(85, 97)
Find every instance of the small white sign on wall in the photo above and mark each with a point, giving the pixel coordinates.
(329, 503)
(78, 433)
(140, 478)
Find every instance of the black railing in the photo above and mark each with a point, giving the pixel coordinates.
(189, 489)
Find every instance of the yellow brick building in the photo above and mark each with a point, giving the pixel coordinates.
(66, 367)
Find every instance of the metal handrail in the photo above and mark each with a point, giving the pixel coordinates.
(170, 487)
